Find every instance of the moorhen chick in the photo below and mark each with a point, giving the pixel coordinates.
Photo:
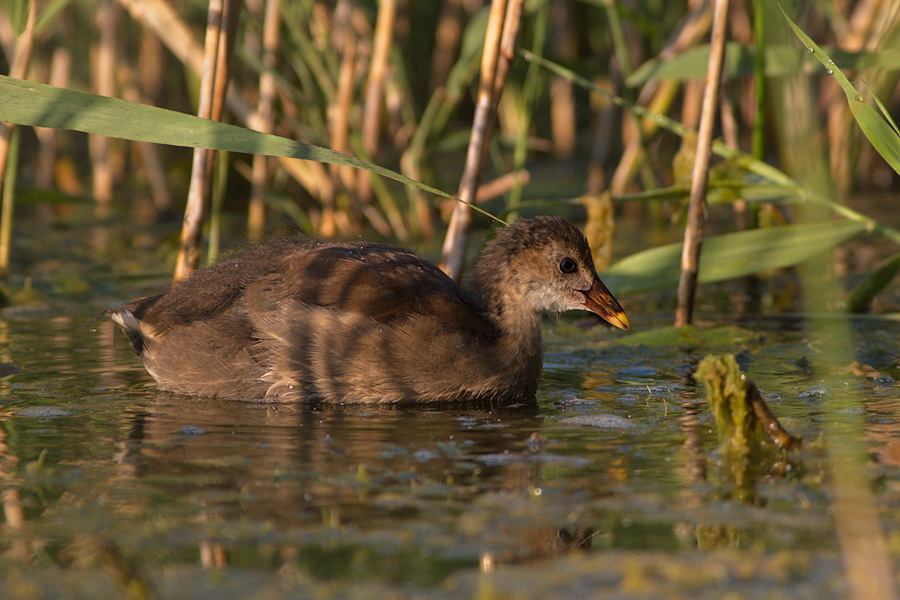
(305, 319)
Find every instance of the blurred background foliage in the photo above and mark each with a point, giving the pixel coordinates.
(399, 90)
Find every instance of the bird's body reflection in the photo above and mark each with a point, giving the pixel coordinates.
(358, 467)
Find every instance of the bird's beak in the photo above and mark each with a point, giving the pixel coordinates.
(599, 300)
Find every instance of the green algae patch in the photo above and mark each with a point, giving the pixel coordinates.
(743, 420)
(726, 387)
(752, 441)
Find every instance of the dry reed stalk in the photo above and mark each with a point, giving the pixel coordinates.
(152, 59)
(264, 120)
(21, 57)
(659, 95)
(339, 128)
(562, 100)
(7, 37)
(453, 252)
(507, 50)
(623, 38)
(447, 36)
(501, 185)
(374, 92)
(691, 103)
(227, 36)
(742, 213)
(60, 70)
(865, 16)
(696, 220)
(149, 153)
(411, 166)
(103, 74)
(740, 22)
(499, 50)
(149, 82)
(633, 153)
(156, 176)
(231, 11)
(603, 133)
(159, 17)
(310, 174)
(189, 250)
(320, 24)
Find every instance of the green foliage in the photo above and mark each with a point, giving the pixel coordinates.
(307, 74)
(738, 428)
(862, 295)
(879, 130)
(882, 132)
(730, 255)
(780, 60)
(38, 105)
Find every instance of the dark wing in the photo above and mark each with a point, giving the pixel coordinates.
(377, 282)
(374, 281)
(214, 290)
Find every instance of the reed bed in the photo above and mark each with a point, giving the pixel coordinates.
(406, 86)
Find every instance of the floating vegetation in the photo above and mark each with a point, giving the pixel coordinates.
(743, 420)
(751, 440)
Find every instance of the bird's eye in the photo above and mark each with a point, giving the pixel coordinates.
(567, 265)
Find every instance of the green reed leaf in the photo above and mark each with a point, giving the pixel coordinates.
(730, 255)
(861, 296)
(882, 136)
(780, 60)
(39, 105)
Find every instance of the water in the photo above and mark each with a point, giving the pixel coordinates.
(612, 485)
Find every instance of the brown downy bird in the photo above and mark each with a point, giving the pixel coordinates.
(361, 322)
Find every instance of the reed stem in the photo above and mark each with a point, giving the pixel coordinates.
(189, 250)
(264, 120)
(9, 139)
(693, 234)
(499, 50)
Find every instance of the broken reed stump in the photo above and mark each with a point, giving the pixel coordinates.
(752, 441)
(743, 421)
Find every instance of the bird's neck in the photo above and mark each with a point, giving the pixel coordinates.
(519, 325)
(518, 356)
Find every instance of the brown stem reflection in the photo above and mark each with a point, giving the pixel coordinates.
(695, 461)
(11, 499)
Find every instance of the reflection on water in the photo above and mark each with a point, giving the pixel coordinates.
(104, 475)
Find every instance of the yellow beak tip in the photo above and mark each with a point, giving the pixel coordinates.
(621, 321)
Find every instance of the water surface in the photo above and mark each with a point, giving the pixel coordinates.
(611, 485)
